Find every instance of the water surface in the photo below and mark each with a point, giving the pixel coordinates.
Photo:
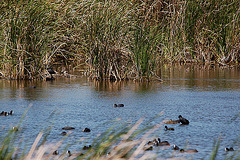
(209, 97)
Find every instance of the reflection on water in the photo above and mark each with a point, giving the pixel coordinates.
(202, 76)
(208, 96)
(119, 86)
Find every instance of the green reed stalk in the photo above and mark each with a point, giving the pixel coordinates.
(144, 48)
(215, 149)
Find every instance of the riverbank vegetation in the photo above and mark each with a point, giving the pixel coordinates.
(115, 39)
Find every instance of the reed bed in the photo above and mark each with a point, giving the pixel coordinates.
(24, 38)
(116, 39)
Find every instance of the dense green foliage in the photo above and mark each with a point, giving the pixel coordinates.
(116, 39)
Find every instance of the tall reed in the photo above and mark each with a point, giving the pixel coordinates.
(104, 25)
(116, 39)
(144, 50)
(212, 29)
(24, 37)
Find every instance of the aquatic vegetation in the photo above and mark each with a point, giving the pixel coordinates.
(115, 39)
(24, 39)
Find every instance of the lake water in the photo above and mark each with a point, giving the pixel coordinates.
(209, 97)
